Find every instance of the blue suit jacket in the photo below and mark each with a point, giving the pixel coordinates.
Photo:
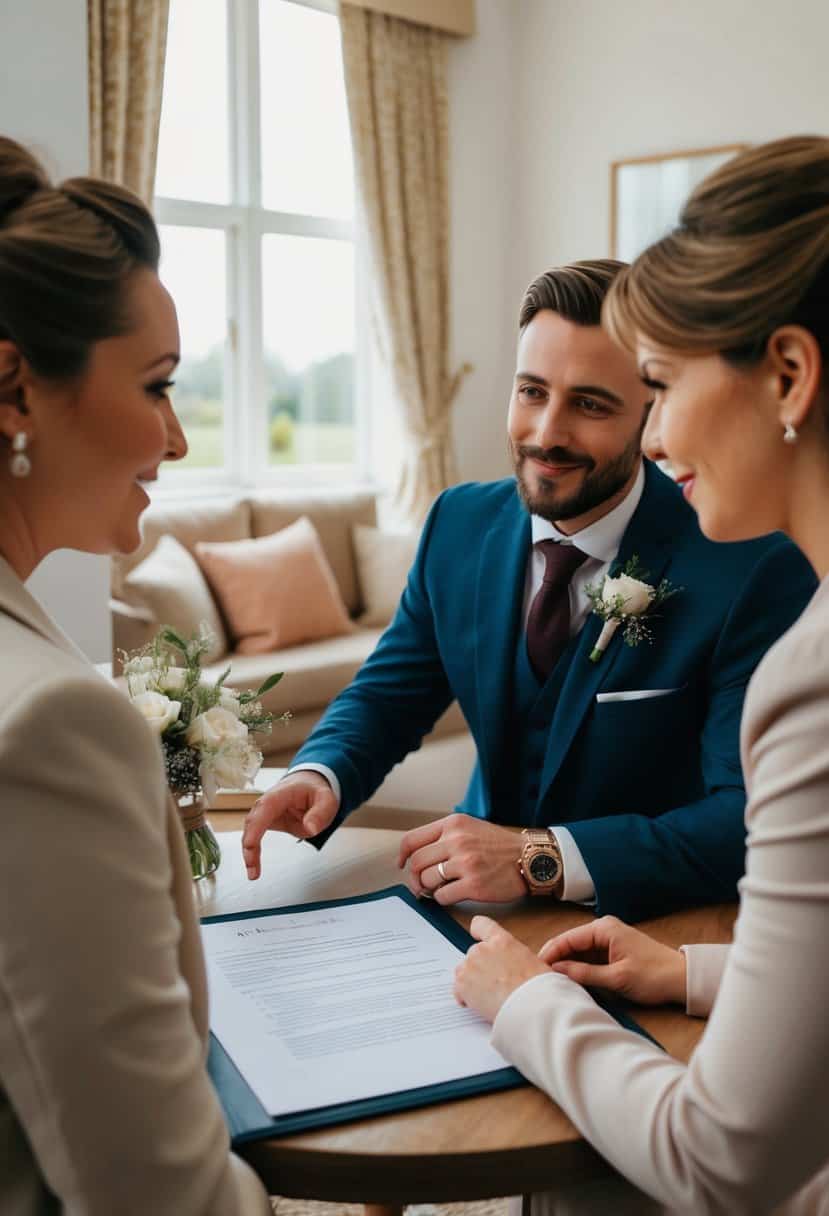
(652, 790)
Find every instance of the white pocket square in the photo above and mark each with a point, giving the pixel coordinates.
(636, 694)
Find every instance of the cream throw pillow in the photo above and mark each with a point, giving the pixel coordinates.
(170, 583)
(383, 563)
(276, 590)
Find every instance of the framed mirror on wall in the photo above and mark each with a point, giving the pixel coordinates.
(647, 193)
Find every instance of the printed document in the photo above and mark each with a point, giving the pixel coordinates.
(342, 1003)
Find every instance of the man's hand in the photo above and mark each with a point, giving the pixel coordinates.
(610, 954)
(302, 804)
(479, 860)
(494, 968)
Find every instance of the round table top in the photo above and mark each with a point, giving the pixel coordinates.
(473, 1148)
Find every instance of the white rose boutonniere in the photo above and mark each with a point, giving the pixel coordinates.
(625, 599)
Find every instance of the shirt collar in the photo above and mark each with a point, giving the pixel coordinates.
(600, 540)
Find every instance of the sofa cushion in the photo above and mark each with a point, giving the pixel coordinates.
(333, 513)
(313, 675)
(170, 584)
(428, 783)
(383, 563)
(280, 748)
(277, 590)
(194, 520)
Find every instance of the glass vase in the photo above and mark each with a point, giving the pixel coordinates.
(202, 845)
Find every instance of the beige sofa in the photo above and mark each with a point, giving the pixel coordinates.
(429, 781)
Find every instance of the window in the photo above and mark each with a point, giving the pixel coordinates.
(255, 205)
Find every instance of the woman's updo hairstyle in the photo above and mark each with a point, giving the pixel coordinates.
(750, 253)
(66, 257)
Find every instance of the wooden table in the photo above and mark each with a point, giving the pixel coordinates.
(473, 1148)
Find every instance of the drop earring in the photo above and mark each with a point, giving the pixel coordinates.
(20, 465)
(789, 433)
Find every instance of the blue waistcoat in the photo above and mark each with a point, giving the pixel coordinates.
(533, 707)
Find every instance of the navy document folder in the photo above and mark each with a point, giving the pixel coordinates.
(249, 1120)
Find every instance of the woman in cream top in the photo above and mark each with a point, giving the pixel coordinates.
(106, 1108)
(729, 316)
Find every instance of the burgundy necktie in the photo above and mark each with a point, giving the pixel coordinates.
(548, 624)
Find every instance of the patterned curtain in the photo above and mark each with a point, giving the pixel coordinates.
(395, 75)
(127, 42)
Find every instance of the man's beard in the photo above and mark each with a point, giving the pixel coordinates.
(598, 486)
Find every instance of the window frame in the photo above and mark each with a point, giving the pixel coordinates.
(245, 222)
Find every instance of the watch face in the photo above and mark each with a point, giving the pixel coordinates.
(544, 868)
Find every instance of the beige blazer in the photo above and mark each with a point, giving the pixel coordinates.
(105, 1105)
(744, 1128)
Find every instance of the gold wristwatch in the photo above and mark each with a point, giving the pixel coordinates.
(540, 863)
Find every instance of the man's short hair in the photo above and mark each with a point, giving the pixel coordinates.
(576, 292)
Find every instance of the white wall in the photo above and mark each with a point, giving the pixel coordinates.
(482, 200)
(43, 102)
(601, 80)
(43, 88)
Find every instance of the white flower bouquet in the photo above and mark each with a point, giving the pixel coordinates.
(205, 730)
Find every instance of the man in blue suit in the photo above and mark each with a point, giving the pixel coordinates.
(624, 772)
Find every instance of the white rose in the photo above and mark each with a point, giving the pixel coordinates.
(158, 711)
(636, 595)
(140, 663)
(232, 765)
(173, 679)
(139, 682)
(141, 675)
(229, 700)
(215, 726)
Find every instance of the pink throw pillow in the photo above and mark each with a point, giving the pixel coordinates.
(276, 590)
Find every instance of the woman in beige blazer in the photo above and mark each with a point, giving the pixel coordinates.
(105, 1105)
(729, 317)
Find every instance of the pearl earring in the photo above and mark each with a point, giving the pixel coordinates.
(20, 465)
(789, 433)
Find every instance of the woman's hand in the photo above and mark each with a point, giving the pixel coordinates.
(494, 968)
(609, 954)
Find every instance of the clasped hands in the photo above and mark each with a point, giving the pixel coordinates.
(605, 953)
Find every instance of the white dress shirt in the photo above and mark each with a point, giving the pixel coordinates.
(600, 541)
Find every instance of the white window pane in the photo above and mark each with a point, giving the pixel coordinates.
(306, 143)
(193, 138)
(193, 271)
(308, 324)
